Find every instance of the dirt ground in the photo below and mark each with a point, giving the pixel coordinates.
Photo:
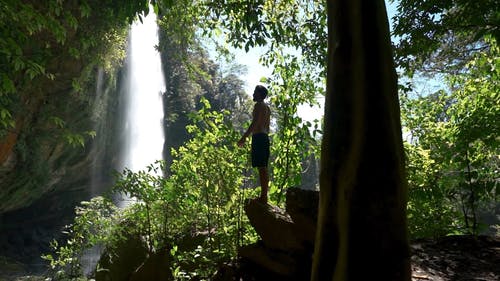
(456, 258)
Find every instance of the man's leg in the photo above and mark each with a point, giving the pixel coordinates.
(264, 184)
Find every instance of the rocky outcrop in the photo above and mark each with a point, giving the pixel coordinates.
(284, 252)
(287, 239)
(155, 267)
(130, 260)
(120, 262)
(274, 226)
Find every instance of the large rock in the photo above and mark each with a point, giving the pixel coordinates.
(287, 243)
(275, 261)
(273, 225)
(120, 263)
(302, 206)
(293, 229)
(156, 267)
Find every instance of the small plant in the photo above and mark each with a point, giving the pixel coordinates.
(95, 220)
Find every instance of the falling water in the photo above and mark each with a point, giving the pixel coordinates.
(143, 131)
(98, 159)
(144, 136)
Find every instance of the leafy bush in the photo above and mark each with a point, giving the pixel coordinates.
(94, 223)
(452, 157)
(201, 197)
(294, 83)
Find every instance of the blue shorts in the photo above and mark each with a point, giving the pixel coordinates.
(260, 150)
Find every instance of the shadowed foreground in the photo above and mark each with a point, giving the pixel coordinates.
(457, 258)
(285, 249)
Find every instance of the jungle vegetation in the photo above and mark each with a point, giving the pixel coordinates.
(451, 155)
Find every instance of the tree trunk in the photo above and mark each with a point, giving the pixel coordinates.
(362, 231)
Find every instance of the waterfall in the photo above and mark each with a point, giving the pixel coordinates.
(145, 84)
(96, 173)
(142, 87)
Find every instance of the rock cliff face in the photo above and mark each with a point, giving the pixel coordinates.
(43, 176)
(56, 96)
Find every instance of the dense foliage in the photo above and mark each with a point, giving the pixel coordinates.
(293, 35)
(202, 193)
(294, 24)
(194, 77)
(442, 36)
(191, 74)
(452, 146)
(292, 84)
(297, 79)
(50, 54)
(203, 197)
(452, 150)
(34, 35)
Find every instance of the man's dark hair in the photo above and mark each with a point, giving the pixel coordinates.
(261, 90)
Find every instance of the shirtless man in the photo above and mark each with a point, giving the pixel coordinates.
(259, 128)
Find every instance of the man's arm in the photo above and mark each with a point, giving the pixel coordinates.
(256, 116)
